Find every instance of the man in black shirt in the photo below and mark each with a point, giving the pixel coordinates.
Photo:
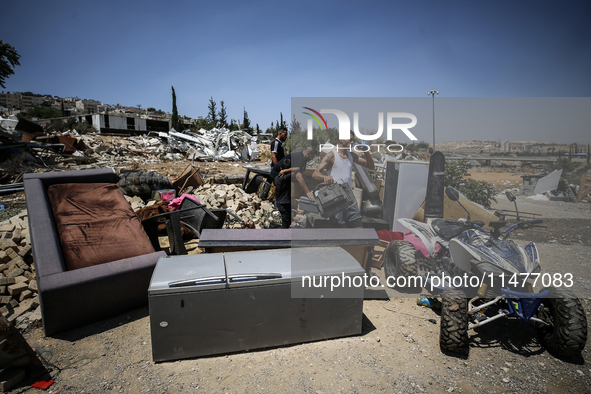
(299, 160)
(277, 152)
(283, 196)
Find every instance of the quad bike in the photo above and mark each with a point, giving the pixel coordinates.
(498, 281)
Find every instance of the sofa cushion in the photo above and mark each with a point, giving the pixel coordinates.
(96, 224)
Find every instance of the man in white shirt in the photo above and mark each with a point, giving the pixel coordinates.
(339, 165)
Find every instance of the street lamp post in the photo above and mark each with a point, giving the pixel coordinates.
(433, 93)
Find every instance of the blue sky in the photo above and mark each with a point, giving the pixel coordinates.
(260, 54)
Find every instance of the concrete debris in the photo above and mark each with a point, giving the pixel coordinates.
(19, 301)
(72, 151)
(215, 144)
(249, 208)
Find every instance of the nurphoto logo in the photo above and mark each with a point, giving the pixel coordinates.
(345, 128)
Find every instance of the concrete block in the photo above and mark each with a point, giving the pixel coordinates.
(7, 281)
(21, 279)
(20, 310)
(29, 275)
(25, 295)
(7, 227)
(2, 290)
(21, 263)
(15, 272)
(33, 286)
(17, 288)
(25, 251)
(5, 299)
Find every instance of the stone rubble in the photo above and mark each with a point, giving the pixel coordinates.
(249, 207)
(19, 301)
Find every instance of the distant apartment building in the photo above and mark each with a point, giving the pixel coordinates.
(22, 101)
(506, 146)
(87, 106)
(120, 123)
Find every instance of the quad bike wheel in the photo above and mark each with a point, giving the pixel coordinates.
(567, 334)
(453, 334)
(399, 259)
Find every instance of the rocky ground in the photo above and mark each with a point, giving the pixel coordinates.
(398, 350)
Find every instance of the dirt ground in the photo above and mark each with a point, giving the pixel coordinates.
(397, 352)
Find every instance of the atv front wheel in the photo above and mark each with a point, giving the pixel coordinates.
(567, 333)
(399, 259)
(453, 334)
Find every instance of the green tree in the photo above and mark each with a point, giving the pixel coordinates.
(8, 60)
(223, 118)
(245, 121)
(480, 192)
(175, 120)
(43, 113)
(212, 115)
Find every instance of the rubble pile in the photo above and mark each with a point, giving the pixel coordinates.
(19, 302)
(215, 144)
(248, 207)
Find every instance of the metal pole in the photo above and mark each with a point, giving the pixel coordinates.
(433, 93)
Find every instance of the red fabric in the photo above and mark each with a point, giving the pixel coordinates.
(390, 236)
(43, 384)
(96, 224)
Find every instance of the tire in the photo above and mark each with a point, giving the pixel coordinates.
(567, 335)
(399, 259)
(141, 183)
(453, 333)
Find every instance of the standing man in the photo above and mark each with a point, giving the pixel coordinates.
(339, 165)
(277, 152)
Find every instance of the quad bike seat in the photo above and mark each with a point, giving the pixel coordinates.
(447, 229)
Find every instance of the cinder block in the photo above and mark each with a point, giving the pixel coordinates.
(7, 281)
(17, 288)
(21, 263)
(20, 310)
(11, 253)
(29, 275)
(25, 294)
(7, 227)
(5, 235)
(11, 244)
(17, 236)
(25, 251)
(33, 286)
(15, 272)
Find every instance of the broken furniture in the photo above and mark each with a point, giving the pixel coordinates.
(263, 173)
(208, 304)
(190, 178)
(94, 222)
(358, 243)
(173, 221)
(404, 192)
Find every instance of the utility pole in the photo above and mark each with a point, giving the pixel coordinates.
(433, 93)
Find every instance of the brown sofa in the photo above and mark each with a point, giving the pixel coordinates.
(76, 297)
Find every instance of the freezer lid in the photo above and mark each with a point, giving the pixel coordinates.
(188, 273)
(260, 267)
